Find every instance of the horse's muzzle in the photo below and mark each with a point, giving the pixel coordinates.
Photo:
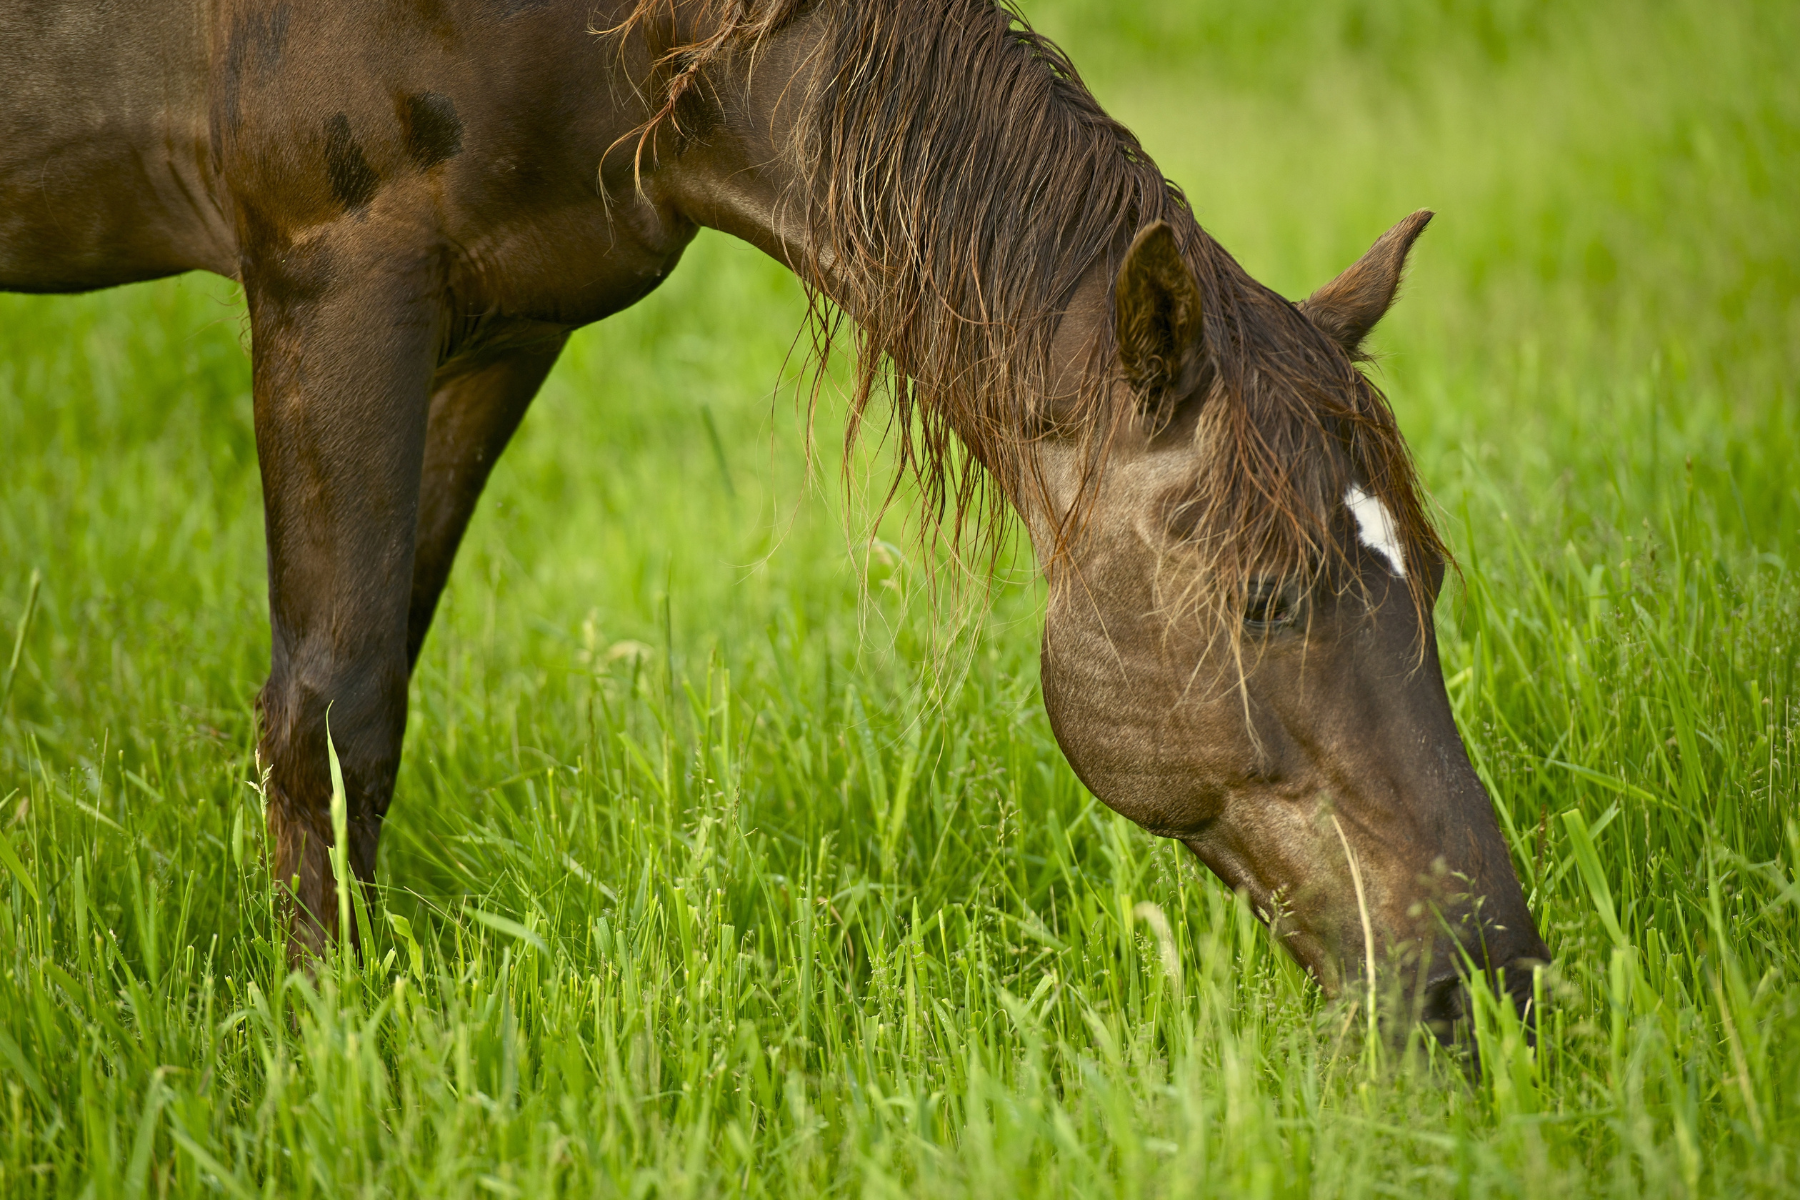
(1447, 1007)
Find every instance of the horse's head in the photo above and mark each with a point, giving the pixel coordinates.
(1239, 650)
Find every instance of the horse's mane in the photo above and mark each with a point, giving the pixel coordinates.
(962, 181)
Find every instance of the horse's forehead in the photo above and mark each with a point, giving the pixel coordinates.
(1375, 527)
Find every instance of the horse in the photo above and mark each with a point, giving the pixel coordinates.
(422, 200)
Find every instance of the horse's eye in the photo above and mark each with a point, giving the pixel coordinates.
(1268, 604)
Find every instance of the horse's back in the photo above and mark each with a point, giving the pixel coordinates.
(104, 171)
(143, 138)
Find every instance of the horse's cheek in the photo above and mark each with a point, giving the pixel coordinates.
(1163, 775)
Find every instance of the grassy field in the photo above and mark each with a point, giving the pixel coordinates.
(711, 871)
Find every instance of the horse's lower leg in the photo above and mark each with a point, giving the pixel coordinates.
(474, 411)
(341, 379)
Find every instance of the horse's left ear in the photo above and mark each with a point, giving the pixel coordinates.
(1348, 307)
(1156, 315)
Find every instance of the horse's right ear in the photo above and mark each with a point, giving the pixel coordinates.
(1156, 315)
(1348, 307)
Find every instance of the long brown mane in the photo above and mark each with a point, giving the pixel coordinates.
(962, 181)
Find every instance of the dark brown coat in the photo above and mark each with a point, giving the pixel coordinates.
(422, 200)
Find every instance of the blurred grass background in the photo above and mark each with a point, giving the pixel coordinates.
(692, 890)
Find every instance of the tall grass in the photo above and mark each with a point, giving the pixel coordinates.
(702, 875)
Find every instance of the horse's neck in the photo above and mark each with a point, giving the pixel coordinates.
(740, 173)
(746, 172)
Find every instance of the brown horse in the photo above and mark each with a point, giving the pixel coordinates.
(423, 199)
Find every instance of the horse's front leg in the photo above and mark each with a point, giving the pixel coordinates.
(475, 407)
(344, 335)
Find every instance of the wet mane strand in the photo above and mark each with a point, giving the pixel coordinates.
(961, 182)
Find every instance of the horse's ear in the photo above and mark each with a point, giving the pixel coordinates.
(1348, 307)
(1156, 314)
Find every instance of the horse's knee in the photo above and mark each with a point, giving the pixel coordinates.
(355, 709)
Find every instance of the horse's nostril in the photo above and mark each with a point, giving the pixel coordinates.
(1445, 998)
(1446, 1004)
(1446, 1007)
(1521, 989)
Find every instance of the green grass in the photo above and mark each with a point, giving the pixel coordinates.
(704, 875)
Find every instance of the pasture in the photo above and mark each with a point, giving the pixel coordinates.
(732, 852)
